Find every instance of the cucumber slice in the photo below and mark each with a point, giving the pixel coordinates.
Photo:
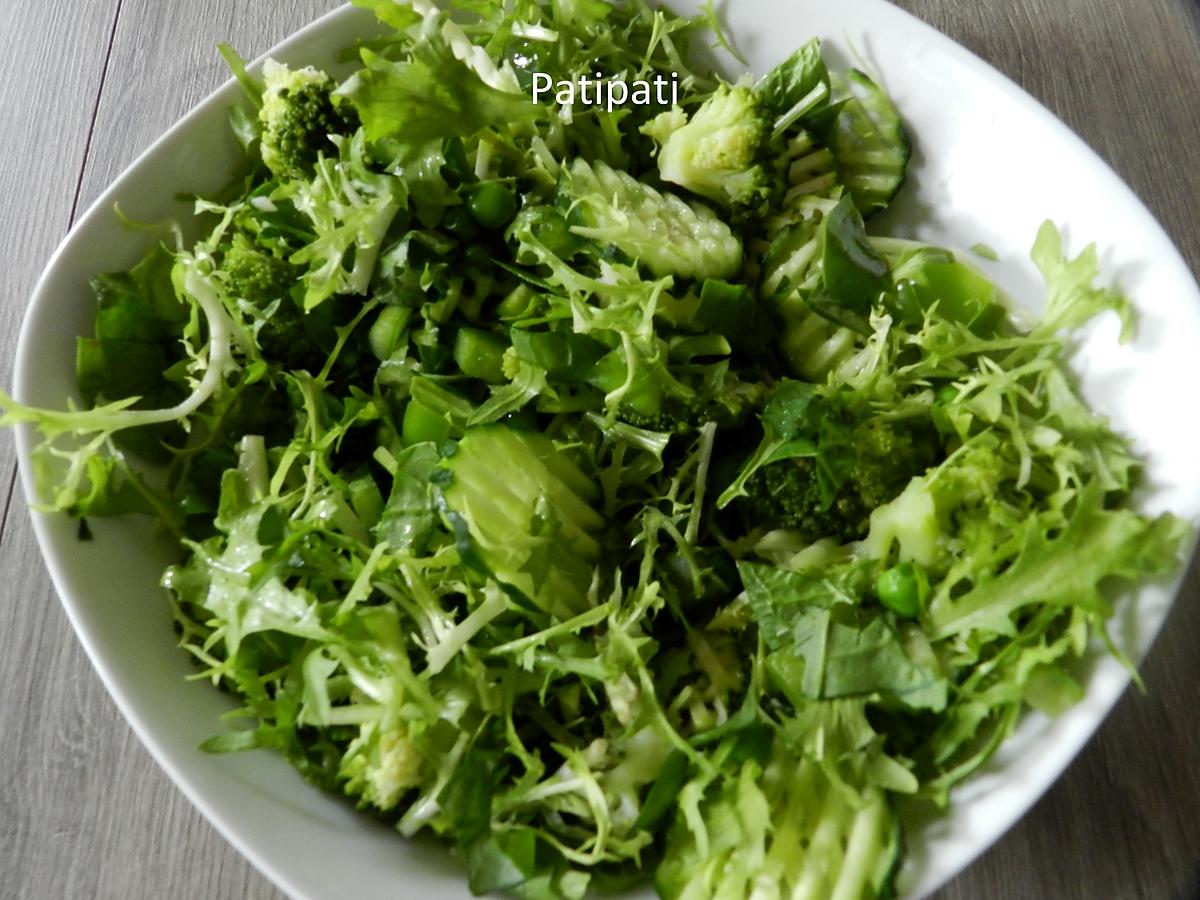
(529, 512)
(666, 234)
(870, 146)
(824, 840)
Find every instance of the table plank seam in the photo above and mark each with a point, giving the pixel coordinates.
(83, 164)
(87, 143)
(1124, 72)
(8, 497)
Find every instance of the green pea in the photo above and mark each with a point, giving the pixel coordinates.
(493, 205)
(946, 394)
(480, 354)
(903, 588)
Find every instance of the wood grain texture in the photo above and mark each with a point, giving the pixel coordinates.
(1124, 820)
(84, 812)
(42, 159)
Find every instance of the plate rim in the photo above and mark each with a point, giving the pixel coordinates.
(1065, 752)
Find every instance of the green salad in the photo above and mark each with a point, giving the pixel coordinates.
(591, 487)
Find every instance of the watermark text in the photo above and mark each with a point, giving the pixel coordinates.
(609, 93)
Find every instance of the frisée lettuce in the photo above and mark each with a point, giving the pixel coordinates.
(596, 489)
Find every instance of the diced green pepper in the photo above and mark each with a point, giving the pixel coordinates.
(480, 354)
(422, 424)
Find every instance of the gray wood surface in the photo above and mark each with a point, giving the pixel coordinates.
(84, 812)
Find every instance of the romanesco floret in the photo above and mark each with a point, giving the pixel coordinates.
(881, 459)
(720, 153)
(298, 115)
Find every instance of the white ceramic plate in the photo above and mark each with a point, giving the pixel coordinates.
(990, 165)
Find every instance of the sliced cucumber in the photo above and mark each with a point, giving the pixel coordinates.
(529, 512)
(870, 145)
(657, 228)
(825, 840)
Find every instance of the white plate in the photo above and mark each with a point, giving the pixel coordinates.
(990, 165)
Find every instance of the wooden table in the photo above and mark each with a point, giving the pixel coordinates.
(84, 812)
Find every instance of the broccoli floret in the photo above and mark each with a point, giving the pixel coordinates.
(529, 512)
(880, 459)
(670, 423)
(729, 407)
(788, 494)
(720, 153)
(263, 280)
(253, 274)
(298, 115)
